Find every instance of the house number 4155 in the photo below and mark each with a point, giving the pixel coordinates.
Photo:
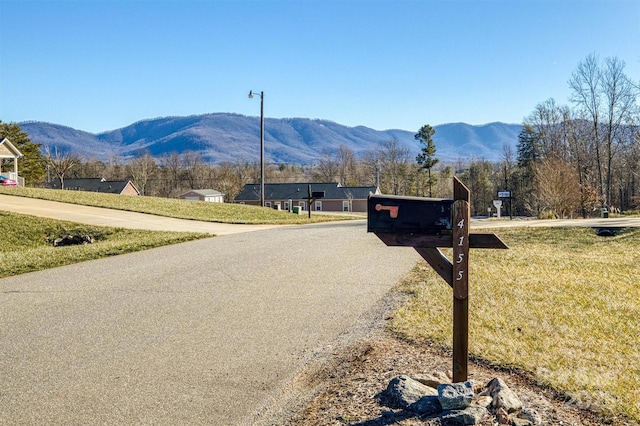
(460, 258)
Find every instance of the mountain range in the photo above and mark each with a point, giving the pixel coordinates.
(226, 137)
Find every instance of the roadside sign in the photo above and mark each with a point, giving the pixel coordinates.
(498, 205)
(504, 194)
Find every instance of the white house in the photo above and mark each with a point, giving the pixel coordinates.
(7, 150)
(209, 195)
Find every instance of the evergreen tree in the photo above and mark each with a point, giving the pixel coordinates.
(529, 154)
(32, 166)
(529, 146)
(426, 159)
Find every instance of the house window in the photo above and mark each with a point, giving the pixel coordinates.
(286, 205)
(318, 206)
(345, 206)
(302, 205)
(267, 203)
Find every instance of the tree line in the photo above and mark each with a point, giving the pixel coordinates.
(569, 159)
(577, 158)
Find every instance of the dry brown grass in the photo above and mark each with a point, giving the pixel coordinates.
(562, 306)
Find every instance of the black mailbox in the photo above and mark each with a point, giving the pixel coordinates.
(390, 214)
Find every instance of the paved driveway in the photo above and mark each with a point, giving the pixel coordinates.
(209, 332)
(118, 218)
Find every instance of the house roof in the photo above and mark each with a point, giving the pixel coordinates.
(203, 192)
(299, 191)
(8, 150)
(93, 185)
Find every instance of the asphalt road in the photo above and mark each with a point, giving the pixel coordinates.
(210, 332)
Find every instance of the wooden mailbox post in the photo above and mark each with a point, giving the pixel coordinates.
(312, 196)
(427, 224)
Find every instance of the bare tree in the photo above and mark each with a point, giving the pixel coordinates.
(369, 166)
(346, 160)
(142, 169)
(558, 187)
(228, 180)
(115, 168)
(587, 95)
(607, 98)
(546, 120)
(88, 168)
(287, 173)
(171, 165)
(327, 169)
(508, 164)
(192, 167)
(619, 95)
(443, 186)
(60, 163)
(394, 165)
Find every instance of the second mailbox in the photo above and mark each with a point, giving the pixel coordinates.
(391, 214)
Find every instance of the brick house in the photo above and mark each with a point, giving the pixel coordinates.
(121, 187)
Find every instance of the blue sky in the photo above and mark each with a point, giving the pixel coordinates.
(98, 65)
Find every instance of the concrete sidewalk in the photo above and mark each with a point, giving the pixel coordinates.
(118, 218)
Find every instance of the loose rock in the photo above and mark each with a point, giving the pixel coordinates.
(427, 405)
(432, 380)
(503, 397)
(532, 415)
(465, 403)
(521, 422)
(469, 416)
(455, 396)
(404, 391)
(502, 416)
(483, 401)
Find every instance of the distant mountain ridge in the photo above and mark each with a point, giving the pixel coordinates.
(227, 137)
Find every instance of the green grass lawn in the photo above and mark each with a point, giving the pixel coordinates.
(562, 305)
(27, 242)
(172, 207)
